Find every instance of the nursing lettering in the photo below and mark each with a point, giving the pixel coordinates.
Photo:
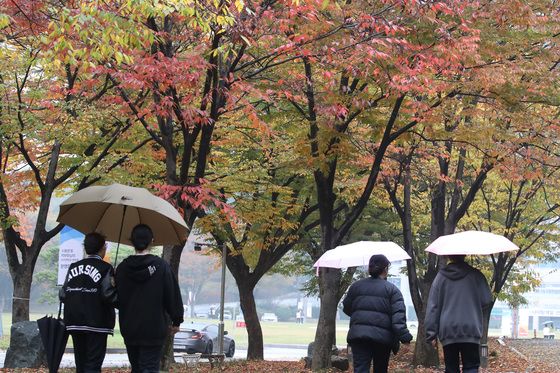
(87, 270)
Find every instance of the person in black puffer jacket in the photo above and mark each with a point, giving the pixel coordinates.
(377, 318)
(150, 304)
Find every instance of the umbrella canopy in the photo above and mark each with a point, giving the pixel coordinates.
(358, 254)
(54, 337)
(471, 243)
(115, 209)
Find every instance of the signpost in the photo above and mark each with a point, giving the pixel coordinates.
(71, 250)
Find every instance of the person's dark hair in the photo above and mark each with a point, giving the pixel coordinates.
(377, 264)
(93, 243)
(141, 237)
(456, 258)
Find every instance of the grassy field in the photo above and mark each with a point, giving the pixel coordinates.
(274, 332)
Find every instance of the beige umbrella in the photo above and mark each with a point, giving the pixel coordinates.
(115, 209)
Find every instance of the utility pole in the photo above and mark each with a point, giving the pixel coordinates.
(222, 301)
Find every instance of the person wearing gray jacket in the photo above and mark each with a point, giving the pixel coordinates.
(454, 315)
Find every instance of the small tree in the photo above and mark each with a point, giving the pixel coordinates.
(54, 133)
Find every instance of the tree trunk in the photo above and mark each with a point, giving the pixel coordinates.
(329, 283)
(192, 302)
(21, 279)
(424, 353)
(484, 340)
(167, 357)
(255, 350)
(172, 255)
(485, 323)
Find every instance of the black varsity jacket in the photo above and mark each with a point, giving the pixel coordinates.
(89, 296)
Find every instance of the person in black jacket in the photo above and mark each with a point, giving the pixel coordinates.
(454, 315)
(377, 318)
(150, 304)
(89, 297)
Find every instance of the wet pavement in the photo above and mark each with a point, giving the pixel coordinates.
(118, 359)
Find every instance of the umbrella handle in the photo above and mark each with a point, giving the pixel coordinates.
(120, 235)
(59, 309)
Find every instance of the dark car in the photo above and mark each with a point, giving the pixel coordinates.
(203, 338)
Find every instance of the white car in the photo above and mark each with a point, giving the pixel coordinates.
(269, 316)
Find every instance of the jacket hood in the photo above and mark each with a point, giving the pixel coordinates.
(140, 268)
(456, 271)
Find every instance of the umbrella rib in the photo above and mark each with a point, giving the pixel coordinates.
(65, 212)
(175, 230)
(103, 215)
(139, 215)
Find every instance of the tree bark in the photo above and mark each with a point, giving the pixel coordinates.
(21, 279)
(486, 322)
(424, 353)
(255, 349)
(167, 357)
(329, 284)
(172, 255)
(484, 340)
(246, 281)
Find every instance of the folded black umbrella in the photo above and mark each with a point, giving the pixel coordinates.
(54, 337)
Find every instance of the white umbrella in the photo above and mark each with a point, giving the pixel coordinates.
(471, 243)
(358, 254)
(113, 211)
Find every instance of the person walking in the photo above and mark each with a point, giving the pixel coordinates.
(89, 297)
(377, 318)
(456, 302)
(150, 303)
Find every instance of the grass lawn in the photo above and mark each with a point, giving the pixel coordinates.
(274, 332)
(288, 333)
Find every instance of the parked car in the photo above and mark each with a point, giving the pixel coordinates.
(197, 337)
(269, 316)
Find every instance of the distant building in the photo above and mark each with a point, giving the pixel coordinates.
(543, 305)
(401, 280)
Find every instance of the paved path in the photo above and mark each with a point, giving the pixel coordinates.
(120, 359)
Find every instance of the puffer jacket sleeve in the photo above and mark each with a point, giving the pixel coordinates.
(347, 302)
(398, 317)
(433, 310)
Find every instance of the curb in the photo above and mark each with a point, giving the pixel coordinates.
(123, 350)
